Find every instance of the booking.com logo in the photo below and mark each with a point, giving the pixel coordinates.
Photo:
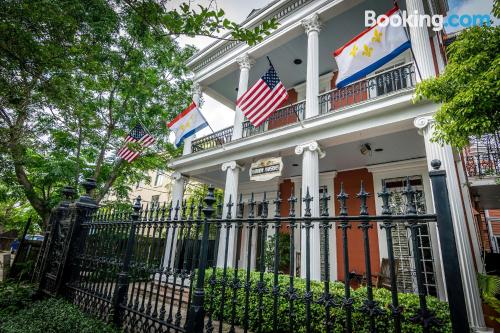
(436, 22)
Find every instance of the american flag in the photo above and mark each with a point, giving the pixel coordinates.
(139, 135)
(263, 98)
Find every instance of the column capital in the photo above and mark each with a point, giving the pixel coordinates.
(197, 92)
(422, 123)
(311, 23)
(311, 146)
(231, 165)
(176, 175)
(245, 61)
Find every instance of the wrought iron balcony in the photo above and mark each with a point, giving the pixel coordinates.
(281, 117)
(388, 81)
(213, 140)
(482, 157)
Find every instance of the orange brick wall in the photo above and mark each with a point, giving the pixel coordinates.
(351, 180)
(286, 190)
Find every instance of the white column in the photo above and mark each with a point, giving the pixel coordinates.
(445, 154)
(312, 26)
(198, 99)
(232, 170)
(311, 153)
(177, 196)
(245, 62)
(471, 222)
(420, 41)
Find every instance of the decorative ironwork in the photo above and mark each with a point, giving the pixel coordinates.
(289, 114)
(482, 157)
(390, 81)
(157, 269)
(213, 140)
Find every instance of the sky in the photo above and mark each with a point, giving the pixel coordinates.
(220, 116)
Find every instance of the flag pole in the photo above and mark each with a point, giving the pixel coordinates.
(395, 2)
(294, 110)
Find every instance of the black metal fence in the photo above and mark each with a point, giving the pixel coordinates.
(133, 267)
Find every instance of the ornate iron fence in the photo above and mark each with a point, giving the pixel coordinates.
(389, 81)
(213, 140)
(132, 267)
(482, 157)
(286, 115)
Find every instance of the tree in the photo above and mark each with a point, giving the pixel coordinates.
(469, 88)
(77, 75)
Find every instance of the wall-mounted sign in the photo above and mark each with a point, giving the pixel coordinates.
(266, 169)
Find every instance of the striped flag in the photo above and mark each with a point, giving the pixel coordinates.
(137, 135)
(263, 98)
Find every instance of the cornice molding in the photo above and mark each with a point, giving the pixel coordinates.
(279, 14)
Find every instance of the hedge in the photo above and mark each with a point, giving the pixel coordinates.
(20, 311)
(408, 302)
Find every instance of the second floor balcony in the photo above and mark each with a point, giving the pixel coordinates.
(380, 85)
(482, 157)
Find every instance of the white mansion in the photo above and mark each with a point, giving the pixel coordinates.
(372, 130)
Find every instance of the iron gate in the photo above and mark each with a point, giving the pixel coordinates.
(128, 267)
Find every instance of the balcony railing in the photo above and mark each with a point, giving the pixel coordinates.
(213, 140)
(281, 117)
(482, 157)
(383, 83)
(395, 79)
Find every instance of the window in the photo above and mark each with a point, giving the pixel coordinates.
(160, 176)
(155, 200)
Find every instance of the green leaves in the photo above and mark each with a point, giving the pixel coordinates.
(469, 89)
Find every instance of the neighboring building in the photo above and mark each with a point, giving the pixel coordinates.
(159, 188)
(371, 130)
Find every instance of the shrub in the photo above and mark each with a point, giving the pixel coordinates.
(14, 297)
(52, 315)
(409, 303)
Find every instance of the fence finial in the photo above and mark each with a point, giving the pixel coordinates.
(251, 205)
(229, 207)
(409, 193)
(265, 206)
(209, 202)
(342, 198)
(241, 206)
(292, 200)
(324, 203)
(385, 195)
(307, 200)
(277, 205)
(363, 195)
(137, 208)
(436, 164)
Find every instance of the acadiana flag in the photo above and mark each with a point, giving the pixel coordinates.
(370, 50)
(187, 123)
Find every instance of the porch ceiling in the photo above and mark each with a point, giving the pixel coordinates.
(335, 32)
(403, 145)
